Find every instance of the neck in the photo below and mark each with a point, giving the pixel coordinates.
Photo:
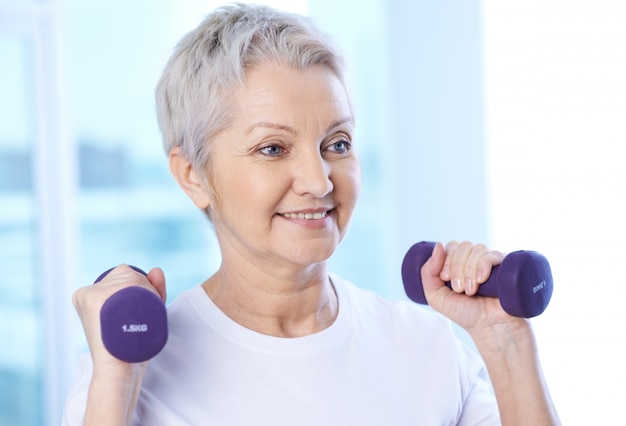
(283, 304)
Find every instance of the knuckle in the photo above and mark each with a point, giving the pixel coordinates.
(481, 248)
(452, 245)
(77, 297)
(466, 245)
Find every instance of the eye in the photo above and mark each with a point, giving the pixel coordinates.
(339, 145)
(272, 150)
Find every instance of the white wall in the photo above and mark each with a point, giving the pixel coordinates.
(555, 80)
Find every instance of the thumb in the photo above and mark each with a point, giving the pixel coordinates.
(431, 281)
(157, 279)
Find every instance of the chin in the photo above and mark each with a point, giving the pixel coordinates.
(307, 256)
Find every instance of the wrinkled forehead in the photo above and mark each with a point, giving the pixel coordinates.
(274, 90)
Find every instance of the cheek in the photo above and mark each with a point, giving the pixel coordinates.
(354, 175)
(348, 184)
(244, 194)
(356, 180)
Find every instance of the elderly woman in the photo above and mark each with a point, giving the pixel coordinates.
(258, 124)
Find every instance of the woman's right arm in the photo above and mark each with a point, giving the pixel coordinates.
(113, 394)
(115, 385)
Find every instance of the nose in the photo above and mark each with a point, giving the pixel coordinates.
(312, 176)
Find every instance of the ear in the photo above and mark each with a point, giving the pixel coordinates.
(190, 181)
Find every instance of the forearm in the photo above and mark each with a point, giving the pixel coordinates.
(113, 396)
(510, 354)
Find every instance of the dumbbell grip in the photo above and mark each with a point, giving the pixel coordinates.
(522, 283)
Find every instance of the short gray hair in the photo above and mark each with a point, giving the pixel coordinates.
(193, 95)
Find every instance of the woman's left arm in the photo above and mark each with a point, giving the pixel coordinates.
(507, 344)
(510, 354)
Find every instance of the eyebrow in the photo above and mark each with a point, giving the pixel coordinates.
(339, 122)
(269, 124)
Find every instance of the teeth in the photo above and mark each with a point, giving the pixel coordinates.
(306, 216)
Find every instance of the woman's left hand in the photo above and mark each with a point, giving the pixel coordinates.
(466, 266)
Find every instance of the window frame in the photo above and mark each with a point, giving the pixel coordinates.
(54, 192)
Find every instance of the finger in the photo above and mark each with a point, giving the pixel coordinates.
(472, 269)
(157, 279)
(91, 298)
(486, 264)
(126, 276)
(457, 261)
(446, 270)
(118, 277)
(431, 270)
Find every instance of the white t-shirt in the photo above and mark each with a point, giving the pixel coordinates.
(379, 363)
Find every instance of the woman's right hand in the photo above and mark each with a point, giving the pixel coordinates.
(115, 384)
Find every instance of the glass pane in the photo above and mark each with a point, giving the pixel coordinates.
(20, 311)
(131, 210)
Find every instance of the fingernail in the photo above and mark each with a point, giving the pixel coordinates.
(436, 249)
(456, 284)
(469, 285)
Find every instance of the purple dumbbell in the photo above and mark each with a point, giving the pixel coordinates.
(133, 322)
(523, 282)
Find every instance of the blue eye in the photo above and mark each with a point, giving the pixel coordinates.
(340, 146)
(272, 150)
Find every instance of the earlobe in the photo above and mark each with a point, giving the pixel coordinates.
(187, 178)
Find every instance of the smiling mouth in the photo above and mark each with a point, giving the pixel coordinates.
(306, 216)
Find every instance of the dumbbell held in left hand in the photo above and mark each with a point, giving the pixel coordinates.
(522, 283)
(133, 322)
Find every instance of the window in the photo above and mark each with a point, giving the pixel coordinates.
(21, 325)
(84, 183)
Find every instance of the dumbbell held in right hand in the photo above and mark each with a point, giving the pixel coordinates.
(133, 323)
(522, 283)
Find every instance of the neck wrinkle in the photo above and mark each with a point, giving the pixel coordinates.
(280, 308)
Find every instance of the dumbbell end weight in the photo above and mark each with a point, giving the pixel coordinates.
(526, 277)
(133, 323)
(527, 284)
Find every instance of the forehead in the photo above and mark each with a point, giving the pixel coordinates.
(276, 89)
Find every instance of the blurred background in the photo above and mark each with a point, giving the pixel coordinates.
(497, 121)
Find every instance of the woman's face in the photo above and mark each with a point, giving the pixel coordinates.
(284, 176)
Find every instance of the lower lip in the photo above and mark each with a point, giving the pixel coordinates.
(310, 223)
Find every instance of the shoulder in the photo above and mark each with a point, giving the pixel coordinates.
(420, 332)
(186, 309)
(417, 329)
(185, 299)
(392, 312)
(431, 358)
(187, 316)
